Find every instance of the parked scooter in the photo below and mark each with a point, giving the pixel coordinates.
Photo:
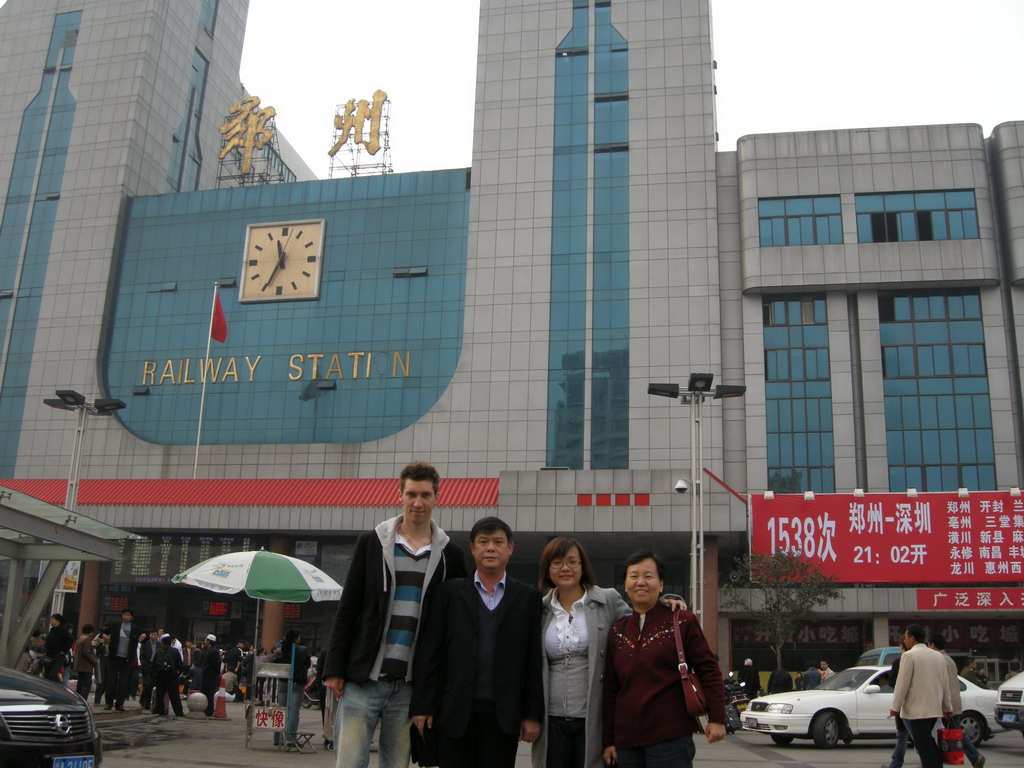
(736, 701)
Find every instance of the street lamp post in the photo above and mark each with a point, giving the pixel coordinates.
(70, 400)
(697, 389)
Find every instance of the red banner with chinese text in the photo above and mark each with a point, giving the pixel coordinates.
(990, 599)
(896, 539)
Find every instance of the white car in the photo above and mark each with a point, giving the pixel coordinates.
(854, 705)
(1010, 706)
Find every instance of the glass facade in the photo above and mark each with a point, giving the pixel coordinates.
(26, 231)
(800, 221)
(609, 260)
(567, 367)
(365, 360)
(798, 395)
(901, 217)
(186, 154)
(937, 413)
(609, 404)
(208, 16)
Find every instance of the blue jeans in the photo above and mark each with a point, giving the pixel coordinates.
(970, 751)
(358, 711)
(900, 752)
(294, 707)
(677, 753)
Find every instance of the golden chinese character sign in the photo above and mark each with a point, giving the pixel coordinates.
(353, 117)
(246, 129)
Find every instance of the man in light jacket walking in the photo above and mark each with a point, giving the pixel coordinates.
(922, 694)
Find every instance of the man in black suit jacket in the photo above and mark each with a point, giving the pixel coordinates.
(123, 656)
(478, 662)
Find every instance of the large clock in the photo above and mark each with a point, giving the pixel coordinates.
(282, 261)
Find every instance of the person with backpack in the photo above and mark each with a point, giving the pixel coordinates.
(166, 667)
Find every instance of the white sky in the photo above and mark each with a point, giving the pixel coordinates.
(783, 65)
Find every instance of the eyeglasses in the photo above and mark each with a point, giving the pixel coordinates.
(560, 564)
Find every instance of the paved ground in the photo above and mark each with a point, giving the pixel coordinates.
(134, 736)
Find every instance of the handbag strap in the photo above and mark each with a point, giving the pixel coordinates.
(684, 669)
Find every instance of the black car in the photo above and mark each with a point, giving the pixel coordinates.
(44, 725)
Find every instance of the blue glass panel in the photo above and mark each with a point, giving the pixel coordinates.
(826, 205)
(796, 206)
(864, 232)
(899, 202)
(930, 201)
(960, 199)
(956, 225)
(970, 224)
(869, 204)
(766, 208)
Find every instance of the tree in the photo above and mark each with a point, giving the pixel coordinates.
(781, 591)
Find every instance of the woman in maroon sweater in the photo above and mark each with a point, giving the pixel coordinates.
(645, 719)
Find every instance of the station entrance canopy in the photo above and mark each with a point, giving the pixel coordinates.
(32, 529)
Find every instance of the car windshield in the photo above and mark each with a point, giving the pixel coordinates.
(847, 680)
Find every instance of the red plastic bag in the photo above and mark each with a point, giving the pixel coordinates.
(951, 745)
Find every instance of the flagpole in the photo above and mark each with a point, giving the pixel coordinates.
(202, 373)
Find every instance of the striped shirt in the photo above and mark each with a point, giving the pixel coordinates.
(410, 572)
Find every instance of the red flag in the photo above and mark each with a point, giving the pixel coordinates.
(218, 323)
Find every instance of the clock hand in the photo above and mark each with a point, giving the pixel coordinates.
(277, 268)
(280, 255)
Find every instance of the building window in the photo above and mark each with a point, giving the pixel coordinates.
(208, 16)
(800, 221)
(937, 413)
(798, 395)
(902, 217)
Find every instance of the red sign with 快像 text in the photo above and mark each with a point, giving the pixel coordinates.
(894, 538)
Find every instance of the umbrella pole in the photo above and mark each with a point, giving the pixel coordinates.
(255, 648)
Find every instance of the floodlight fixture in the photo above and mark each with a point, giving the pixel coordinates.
(664, 390)
(729, 390)
(106, 405)
(71, 397)
(700, 382)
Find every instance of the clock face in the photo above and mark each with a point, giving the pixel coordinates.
(282, 261)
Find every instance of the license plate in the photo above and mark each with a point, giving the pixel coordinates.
(78, 761)
(750, 722)
(1009, 717)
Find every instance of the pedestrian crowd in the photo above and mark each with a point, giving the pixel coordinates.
(121, 662)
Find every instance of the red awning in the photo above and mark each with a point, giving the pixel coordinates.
(382, 492)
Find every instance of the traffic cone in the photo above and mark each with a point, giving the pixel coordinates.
(220, 699)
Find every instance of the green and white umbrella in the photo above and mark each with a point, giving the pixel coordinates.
(262, 574)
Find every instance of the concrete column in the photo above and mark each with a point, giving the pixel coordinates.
(89, 595)
(880, 631)
(272, 614)
(711, 592)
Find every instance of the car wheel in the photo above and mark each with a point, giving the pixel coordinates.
(782, 740)
(825, 731)
(973, 726)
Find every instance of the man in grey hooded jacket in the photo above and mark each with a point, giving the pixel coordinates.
(394, 570)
